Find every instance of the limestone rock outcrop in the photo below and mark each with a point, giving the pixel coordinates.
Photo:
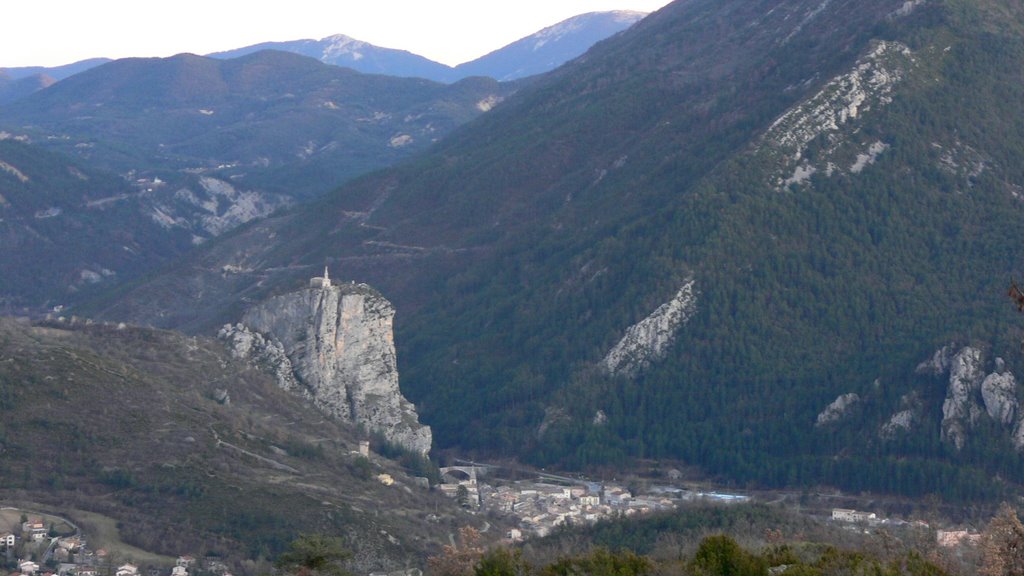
(972, 395)
(960, 410)
(939, 363)
(337, 346)
(648, 341)
(838, 409)
(901, 421)
(245, 343)
(999, 391)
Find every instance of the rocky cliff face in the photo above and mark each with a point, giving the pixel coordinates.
(838, 409)
(999, 392)
(335, 343)
(960, 409)
(971, 395)
(647, 341)
(834, 113)
(900, 422)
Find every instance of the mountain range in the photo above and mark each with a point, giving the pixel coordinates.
(535, 54)
(263, 117)
(17, 83)
(192, 147)
(209, 144)
(689, 242)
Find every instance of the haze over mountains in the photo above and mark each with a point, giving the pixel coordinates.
(209, 144)
(534, 54)
(17, 83)
(205, 145)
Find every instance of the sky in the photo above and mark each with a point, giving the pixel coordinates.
(55, 32)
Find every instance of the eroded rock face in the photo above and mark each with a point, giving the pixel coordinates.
(939, 363)
(834, 114)
(245, 343)
(338, 341)
(972, 395)
(838, 409)
(960, 409)
(999, 391)
(1017, 437)
(901, 421)
(648, 341)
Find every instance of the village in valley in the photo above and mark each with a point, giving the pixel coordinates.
(546, 502)
(43, 545)
(551, 501)
(36, 547)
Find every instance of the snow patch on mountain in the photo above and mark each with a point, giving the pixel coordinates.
(800, 175)
(340, 46)
(555, 33)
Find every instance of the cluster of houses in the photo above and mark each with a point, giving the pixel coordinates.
(69, 556)
(944, 538)
(872, 519)
(540, 507)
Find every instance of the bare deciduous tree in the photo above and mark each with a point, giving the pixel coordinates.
(1002, 545)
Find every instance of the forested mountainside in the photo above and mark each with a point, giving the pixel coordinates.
(68, 228)
(272, 127)
(200, 146)
(275, 121)
(821, 194)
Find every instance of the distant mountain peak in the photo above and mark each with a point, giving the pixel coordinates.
(551, 47)
(576, 23)
(339, 46)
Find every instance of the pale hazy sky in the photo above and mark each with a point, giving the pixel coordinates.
(54, 32)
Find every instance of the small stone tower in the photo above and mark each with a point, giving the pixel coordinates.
(321, 281)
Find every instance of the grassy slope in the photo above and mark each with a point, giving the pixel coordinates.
(122, 424)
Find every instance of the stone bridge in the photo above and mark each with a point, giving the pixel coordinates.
(463, 473)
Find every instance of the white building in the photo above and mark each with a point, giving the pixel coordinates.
(954, 538)
(845, 515)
